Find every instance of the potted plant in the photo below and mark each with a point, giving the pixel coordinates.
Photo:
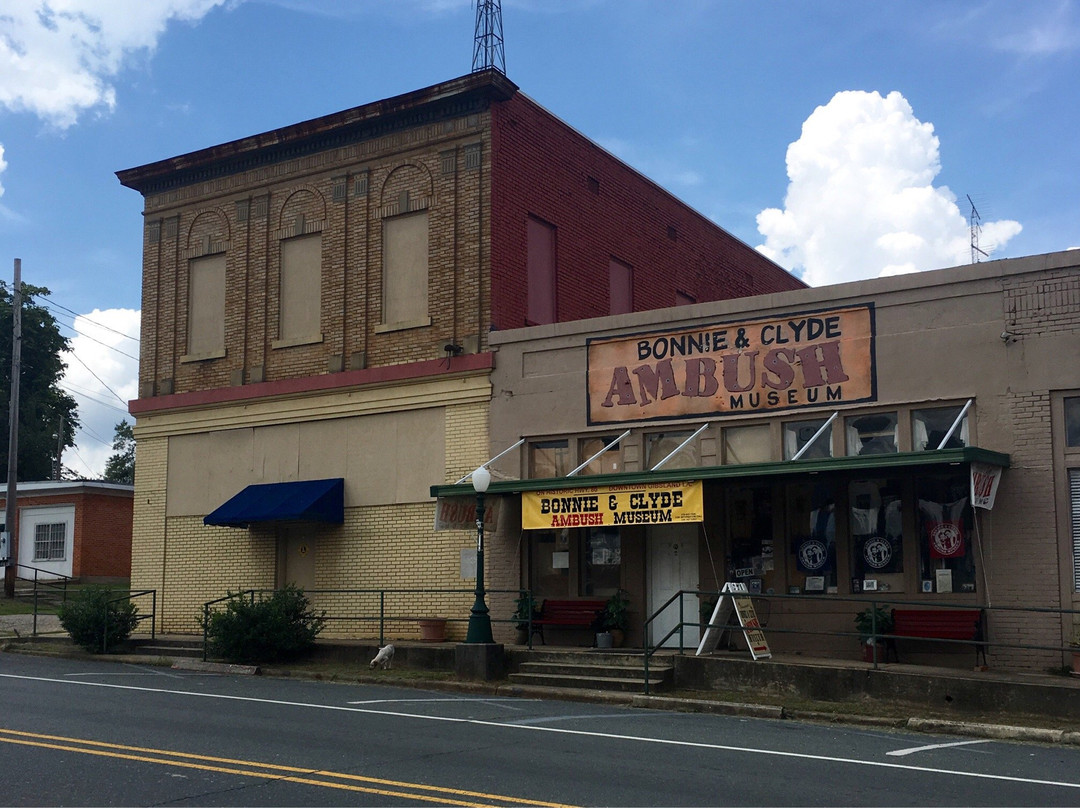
(871, 623)
(615, 618)
(525, 608)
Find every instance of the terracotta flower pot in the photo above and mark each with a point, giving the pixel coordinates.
(432, 629)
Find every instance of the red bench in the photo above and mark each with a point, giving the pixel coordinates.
(567, 614)
(962, 625)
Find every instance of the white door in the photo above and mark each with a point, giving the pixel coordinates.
(673, 565)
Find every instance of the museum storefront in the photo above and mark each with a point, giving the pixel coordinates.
(903, 439)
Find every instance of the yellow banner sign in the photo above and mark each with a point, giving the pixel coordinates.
(797, 360)
(612, 505)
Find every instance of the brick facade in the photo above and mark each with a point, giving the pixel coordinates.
(473, 159)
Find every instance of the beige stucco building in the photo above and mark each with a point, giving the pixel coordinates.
(933, 378)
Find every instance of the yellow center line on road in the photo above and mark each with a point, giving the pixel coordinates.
(290, 774)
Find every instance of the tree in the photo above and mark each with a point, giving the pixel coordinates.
(43, 406)
(120, 467)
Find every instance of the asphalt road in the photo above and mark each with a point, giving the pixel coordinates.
(78, 732)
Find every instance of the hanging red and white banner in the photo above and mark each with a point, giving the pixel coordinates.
(946, 540)
(984, 484)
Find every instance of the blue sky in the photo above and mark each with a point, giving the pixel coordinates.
(842, 138)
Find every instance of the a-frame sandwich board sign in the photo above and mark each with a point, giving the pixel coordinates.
(735, 597)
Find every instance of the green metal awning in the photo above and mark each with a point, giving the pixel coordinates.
(789, 468)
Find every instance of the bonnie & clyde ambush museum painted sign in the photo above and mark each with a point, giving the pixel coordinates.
(784, 362)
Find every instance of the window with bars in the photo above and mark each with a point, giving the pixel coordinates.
(50, 541)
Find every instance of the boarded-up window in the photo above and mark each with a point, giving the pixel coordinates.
(621, 287)
(541, 273)
(405, 269)
(301, 288)
(206, 306)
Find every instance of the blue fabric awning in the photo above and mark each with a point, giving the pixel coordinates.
(302, 501)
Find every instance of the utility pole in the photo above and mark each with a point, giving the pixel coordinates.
(8, 554)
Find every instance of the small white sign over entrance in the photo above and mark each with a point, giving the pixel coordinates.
(735, 597)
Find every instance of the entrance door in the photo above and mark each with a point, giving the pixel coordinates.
(673, 565)
(296, 554)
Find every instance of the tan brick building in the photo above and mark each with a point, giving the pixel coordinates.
(879, 508)
(317, 304)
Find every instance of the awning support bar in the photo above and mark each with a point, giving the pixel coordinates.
(591, 459)
(817, 435)
(679, 448)
(492, 460)
(956, 423)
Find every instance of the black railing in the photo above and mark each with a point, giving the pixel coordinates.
(128, 597)
(874, 606)
(48, 589)
(382, 609)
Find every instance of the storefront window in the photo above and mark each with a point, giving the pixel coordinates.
(812, 524)
(750, 527)
(549, 557)
(929, 427)
(607, 463)
(747, 444)
(877, 541)
(1072, 422)
(601, 564)
(549, 458)
(946, 538)
(798, 433)
(659, 445)
(871, 434)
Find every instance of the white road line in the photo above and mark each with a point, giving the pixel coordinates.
(877, 764)
(914, 749)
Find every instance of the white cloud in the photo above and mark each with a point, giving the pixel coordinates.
(3, 165)
(58, 57)
(861, 200)
(103, 375)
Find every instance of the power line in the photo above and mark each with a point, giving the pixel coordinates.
(99, 342)
(84, 393)
(93, 322)
(99, 379)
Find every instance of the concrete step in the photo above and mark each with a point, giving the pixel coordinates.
(167, 647)
(609, 683)
(569, 674)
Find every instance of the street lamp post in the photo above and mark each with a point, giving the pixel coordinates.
(479, 619)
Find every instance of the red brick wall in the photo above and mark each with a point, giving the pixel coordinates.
(102, 537)
(544, 168)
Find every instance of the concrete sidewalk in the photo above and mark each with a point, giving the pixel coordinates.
(23, 625)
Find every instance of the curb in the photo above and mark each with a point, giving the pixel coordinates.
(994, 731)
(182, 664)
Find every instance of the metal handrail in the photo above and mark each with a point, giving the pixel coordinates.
(57, 580)
(872, 603)
(138, 618)
(382, 618)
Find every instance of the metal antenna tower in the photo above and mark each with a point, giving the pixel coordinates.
(488, 46)
(976, 227)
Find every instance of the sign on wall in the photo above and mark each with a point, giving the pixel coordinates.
(612, 505)
(796, 360)
(459, 513)
(984, 484)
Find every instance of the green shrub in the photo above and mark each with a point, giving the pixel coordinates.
(274, 629)
(98, 618)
